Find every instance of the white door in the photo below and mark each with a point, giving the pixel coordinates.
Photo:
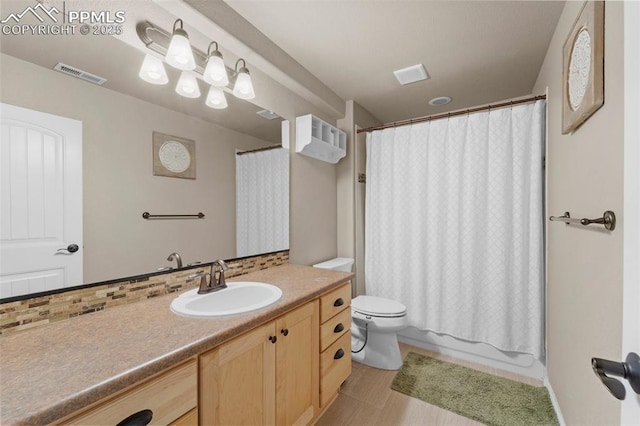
(40, 201)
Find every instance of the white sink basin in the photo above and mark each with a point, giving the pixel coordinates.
(237, 298)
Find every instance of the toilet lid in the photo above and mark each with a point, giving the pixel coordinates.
(378, 306)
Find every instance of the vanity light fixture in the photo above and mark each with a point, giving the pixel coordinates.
(188, 85)
(215, 73)
(179, 54)
(216, 98)
(152, 70)
(243, 88)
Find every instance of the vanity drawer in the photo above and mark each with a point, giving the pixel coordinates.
(334, 302)
(335, 367)
(169, 396)
(334, 328)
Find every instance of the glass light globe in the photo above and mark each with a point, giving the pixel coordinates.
(152, 71)
(243, 88)
(216, 98)
(216, 73)
(188, 86)
(179, 54)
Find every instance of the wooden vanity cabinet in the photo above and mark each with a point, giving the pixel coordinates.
(283, 372)
(335, 342)
(268, 375)
(171, 396)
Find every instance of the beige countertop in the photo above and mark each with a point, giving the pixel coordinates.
(52, 371)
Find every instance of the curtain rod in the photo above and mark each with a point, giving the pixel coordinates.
(267, 148)
(452, 114)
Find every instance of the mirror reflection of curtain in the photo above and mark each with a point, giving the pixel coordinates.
(262, 201)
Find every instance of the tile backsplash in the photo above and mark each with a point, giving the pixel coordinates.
(33, 312)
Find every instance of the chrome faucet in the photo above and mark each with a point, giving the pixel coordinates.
(175, 256)
(216, 279)
(205, 285)
(217, 274)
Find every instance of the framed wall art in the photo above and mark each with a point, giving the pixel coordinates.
(173, 156)
(583, 67)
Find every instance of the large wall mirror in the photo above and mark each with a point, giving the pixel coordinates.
(118, 120)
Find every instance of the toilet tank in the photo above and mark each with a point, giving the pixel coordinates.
(344, 264)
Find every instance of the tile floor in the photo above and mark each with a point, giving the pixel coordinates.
(367, 399)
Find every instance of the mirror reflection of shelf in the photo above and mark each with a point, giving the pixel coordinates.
(318, 139)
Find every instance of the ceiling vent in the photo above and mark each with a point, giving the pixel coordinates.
(68, 69)
(441, 100)
(411, 74)
(269, 115)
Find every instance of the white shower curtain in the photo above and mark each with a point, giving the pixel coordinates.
(454, 225)
(262, 202)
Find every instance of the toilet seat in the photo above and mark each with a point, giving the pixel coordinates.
(378, 307)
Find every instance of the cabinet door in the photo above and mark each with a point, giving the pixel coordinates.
(168, 396)
(237, 380)
(297, 373)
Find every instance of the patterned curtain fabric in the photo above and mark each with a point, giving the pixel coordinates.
(262, 202)
(454, 225)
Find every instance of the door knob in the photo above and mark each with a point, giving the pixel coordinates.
(71, 248)
(630, 370)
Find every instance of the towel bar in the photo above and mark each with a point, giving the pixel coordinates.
(608, 220)
(147, 215)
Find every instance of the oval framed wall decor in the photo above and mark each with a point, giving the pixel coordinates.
(583, 67)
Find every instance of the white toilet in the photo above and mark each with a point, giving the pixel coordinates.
(374, 324)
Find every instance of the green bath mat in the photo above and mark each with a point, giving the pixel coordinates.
(489, 399)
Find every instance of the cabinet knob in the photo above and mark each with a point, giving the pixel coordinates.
(141, 418)
(339, 302)
(338, 328)
(273, 339)
(339, 354)
(284, 331)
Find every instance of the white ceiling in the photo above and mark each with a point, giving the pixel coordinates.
(476, 52)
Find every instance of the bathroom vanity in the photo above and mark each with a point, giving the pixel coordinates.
(282, 364)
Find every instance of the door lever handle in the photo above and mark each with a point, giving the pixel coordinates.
(71, 248)
(630, 370)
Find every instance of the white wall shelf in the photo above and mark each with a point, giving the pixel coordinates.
(318, 139)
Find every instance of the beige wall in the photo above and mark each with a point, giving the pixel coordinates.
(345, 172)
(312, 237)
(117, 174)
(584, 265)
(350, 193)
